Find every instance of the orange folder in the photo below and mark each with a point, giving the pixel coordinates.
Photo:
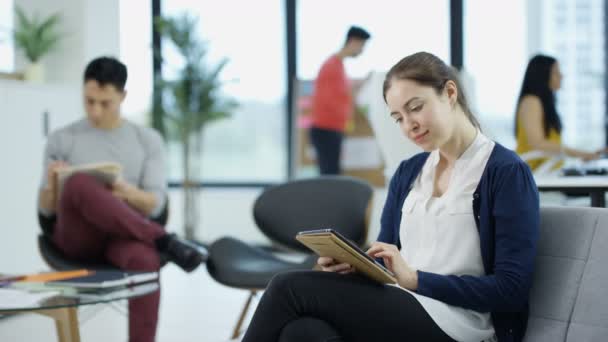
(50, 276)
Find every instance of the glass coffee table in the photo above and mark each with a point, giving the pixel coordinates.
(63, 305)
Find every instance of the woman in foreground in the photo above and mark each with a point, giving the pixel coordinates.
(459, 229)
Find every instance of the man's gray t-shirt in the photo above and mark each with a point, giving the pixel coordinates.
(139, 149)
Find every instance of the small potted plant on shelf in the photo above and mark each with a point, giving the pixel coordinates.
(35, 37)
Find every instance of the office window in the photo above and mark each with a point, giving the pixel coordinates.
(7, 52)
(495, 58)
(250, 146)
(136, 53)
(500, 38)
(578, 44)
(398, 28)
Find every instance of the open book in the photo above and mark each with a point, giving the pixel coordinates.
(106, 172)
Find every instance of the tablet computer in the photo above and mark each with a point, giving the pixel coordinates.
(330, 243)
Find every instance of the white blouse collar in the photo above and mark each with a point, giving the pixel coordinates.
(479, 141)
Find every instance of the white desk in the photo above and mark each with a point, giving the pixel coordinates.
(594, 186)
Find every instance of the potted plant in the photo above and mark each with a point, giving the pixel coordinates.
(191, 100)
(36, 37)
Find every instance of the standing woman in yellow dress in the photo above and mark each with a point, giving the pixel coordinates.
(537, 124)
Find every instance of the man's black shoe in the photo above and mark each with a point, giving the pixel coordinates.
(183, 253)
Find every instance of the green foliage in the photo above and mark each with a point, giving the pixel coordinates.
(36, 36)
(192, 99)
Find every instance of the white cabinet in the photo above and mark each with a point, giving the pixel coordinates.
(22, 138)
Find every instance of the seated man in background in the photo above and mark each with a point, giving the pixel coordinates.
(112, 223)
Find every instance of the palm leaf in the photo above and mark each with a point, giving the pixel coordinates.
(49, 24)
(22, 19)
(34, 36)
(193, 98)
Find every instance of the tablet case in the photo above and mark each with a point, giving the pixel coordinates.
(326, 243)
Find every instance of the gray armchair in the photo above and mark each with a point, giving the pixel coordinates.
(569, 297)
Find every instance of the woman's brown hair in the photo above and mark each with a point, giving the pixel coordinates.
(428, 70)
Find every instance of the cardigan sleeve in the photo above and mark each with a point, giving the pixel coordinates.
(389, 211)
(515, 216)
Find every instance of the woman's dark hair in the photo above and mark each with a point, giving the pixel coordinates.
(428, 70)
(536, 82)
(107, 70)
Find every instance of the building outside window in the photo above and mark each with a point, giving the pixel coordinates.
(573, 32)
(495, 58)
(500, 38)
(251, 145)
(398, 28)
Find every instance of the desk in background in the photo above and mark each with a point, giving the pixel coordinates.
(594, 186)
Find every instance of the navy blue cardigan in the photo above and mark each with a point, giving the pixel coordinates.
(506, 209)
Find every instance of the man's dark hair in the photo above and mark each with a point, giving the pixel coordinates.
(107, 70)
(356, 32)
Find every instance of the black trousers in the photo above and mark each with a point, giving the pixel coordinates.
(316, 306)
(327, 145)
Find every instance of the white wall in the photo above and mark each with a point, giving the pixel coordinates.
(229, 212)
(22, 107)
(92, 29)
(223, 212)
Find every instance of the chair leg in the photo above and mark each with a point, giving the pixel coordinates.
(237, 328)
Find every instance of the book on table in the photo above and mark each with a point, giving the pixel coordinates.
(106, 279)
(114, 292)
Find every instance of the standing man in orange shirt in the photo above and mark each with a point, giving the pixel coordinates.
(332, 103)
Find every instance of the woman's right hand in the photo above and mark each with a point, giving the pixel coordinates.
(328, 264)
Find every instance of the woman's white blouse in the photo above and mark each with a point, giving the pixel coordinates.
(439, 235)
